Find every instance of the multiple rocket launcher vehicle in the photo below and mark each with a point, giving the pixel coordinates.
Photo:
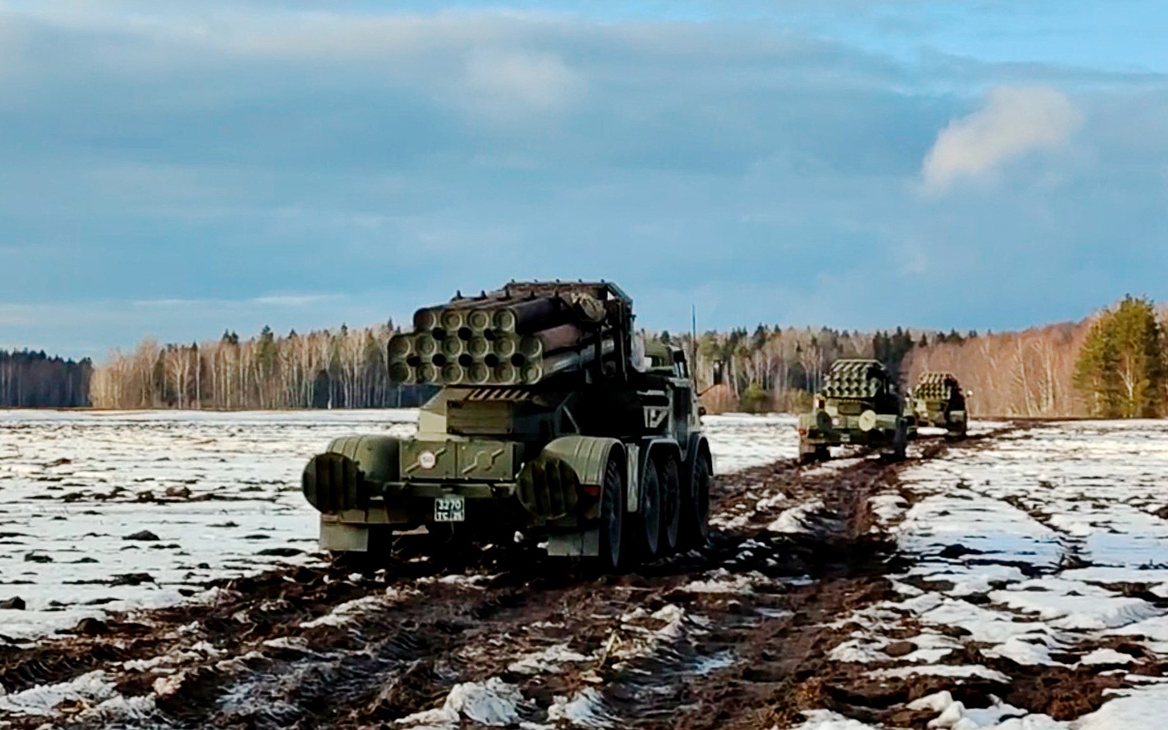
(553, 419)
(861, 404)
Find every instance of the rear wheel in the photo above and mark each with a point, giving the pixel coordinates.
(670, 504)
(650, 509)
(612, 512)
(695, 504)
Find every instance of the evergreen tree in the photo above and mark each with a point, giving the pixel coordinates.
(1120, 369)
(1139, 346)
(1096, 374)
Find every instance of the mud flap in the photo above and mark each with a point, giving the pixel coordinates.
(584, 544)
(342, 538)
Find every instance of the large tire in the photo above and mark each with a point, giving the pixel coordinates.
(670, 504)
(650, 511)
(612, 516)
(695, 504)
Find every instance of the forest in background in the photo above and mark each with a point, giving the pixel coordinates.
(343, 368)
(35, 380)
(1113, 364)
(771, 368)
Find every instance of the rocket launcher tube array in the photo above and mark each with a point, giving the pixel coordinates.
(492, 341)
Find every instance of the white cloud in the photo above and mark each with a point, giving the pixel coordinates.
(503, 82)
(1014, 122)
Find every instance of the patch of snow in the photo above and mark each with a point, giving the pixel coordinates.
(1142, 707)
(964, 671)
(1109, 657)
(888, 507)
(739, 441)
(1093, 609)
(722, 581)
(797, 519)
(585, 709)
(493, 703)
(346, 612)
(865, 648)
(1030, 650)
(549, 660)
(90, 688)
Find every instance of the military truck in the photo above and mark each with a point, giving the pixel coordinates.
(859, 404)
(937, 400)
(553, 419)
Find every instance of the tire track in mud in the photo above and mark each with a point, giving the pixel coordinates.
(735, 635)
(1063, 690)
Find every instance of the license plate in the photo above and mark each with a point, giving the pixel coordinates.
(845, 438)
(449, 509)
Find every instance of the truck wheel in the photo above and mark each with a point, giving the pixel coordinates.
(651, 489)
(695, 505)
(670, 504)
(612, 513)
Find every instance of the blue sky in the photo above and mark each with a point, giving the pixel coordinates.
(174, 168)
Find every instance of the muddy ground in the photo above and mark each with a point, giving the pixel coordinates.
(736, 635)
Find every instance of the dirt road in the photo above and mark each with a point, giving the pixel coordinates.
(736, 635)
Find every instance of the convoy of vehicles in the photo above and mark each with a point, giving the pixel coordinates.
(554, 418)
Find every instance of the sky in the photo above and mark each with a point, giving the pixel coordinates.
(175, 169)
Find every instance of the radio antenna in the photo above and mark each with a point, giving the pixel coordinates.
(693, 339)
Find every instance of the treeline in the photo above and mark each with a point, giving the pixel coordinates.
(35, 380)
(1112, 365)
(344, 368)
(771, 368)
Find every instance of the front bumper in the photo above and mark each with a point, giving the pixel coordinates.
(820, 429)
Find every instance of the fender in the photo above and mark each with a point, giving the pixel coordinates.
(335, 480)
(587, 455)
(376, 456)
(588, 458)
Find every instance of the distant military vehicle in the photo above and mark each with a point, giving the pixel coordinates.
(554, 419)
(860, 404)
(937, 400)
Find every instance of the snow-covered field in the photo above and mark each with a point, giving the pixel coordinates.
(1047, 549)
(218, 494)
